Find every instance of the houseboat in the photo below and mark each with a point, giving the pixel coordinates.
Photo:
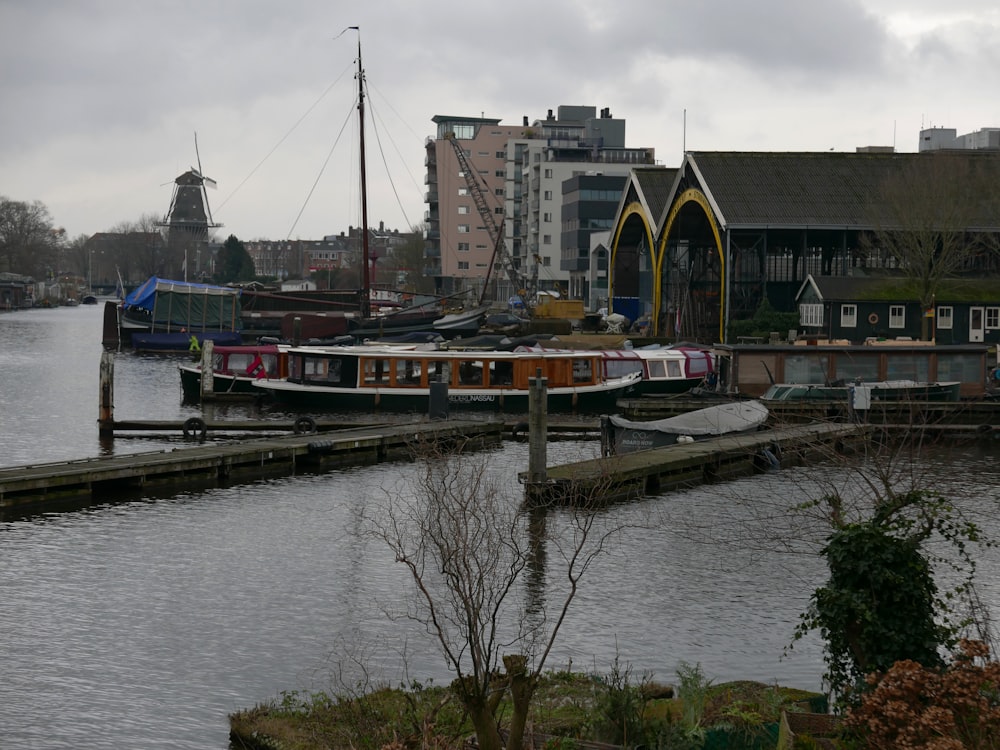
(751, 369)
(371, 378)
(234, 369)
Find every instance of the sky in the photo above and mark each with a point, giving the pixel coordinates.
(104, 102)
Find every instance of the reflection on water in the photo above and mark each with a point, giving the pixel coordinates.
(144, 623)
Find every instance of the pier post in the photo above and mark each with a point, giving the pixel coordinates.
(207, 369)
(537, 428)
(106, 410)
(296, 330)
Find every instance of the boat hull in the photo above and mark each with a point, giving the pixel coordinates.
(319, 398)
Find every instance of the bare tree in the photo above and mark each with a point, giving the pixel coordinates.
(468, 546)
(29, 244)
(930, 216)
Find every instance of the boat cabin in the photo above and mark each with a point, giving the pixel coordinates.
(751, 369)
(379, 367)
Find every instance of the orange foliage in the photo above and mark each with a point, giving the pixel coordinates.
(913, 708)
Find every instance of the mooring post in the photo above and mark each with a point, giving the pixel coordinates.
(296, 330)
(207, 369)
(538, 428)
(106, 409)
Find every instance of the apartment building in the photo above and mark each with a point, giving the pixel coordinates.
(518, 173)
(935, 139)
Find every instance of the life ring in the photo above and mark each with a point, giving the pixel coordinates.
(195, 427)
(304, 426)
(873, 318)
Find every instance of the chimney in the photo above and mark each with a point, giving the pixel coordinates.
(525, 121)
(550, 115)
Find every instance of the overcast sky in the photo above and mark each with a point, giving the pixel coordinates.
(100, 100)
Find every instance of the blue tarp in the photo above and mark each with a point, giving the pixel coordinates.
(144, 296)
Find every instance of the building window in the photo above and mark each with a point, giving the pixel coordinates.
(546, 239)
(897, 316)
(848, 316)
(992, 318)
(945, 316)
(547, 195)
(463, 228)
(502, 155)
(463, 191)
(463, 247)
(463, 265)
(548, 173)
(463, 209)
(500, 191)
(499, 210)
(547, 217)
(811, 315)
(546, 260)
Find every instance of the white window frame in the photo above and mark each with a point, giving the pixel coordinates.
(992, 318)
(811, 315)
(945, 318)
(849, 316)
(463, 228)
(463, 210)
(897, 316)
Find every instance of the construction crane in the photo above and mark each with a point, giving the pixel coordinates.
(523, 286)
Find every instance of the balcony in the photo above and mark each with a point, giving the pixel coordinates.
(431, 196)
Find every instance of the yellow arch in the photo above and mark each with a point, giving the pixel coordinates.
(691, 195)
(632, 208)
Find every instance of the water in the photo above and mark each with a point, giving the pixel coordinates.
(145, 623)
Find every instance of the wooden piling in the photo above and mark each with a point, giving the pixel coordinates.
(537, 427)
(106, 397)
(207, 370)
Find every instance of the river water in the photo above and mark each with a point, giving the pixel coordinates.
(143, 623)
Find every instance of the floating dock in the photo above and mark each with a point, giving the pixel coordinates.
(223, 463)
(653, 471)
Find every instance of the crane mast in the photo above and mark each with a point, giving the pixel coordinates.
(523, 286)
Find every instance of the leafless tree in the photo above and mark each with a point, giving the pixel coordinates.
(469, 547)
(933, 216)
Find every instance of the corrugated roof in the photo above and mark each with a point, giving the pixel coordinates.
(655, 186)
(816, 189)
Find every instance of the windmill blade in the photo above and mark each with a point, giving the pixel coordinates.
(197, 155)
(209, 182)
(206, 181)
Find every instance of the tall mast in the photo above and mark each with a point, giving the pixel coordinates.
(365, 254)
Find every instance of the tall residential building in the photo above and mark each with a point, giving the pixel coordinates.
(518, 172)
(459, 244)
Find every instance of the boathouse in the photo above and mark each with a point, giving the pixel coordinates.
(733, 229)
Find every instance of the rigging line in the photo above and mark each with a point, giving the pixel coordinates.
(322, 169)
(283, 138)
(418, 137)
(385, 163)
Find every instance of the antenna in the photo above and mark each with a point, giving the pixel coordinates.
(684, 132)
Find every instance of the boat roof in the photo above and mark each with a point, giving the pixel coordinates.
(409, 351)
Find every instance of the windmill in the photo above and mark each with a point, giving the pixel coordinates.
(189, 218)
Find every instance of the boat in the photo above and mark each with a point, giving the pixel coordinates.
(620, 435)
(402, 379)
(234, 369)
(664, 370)
(885, 390)
(165, 306)
(183, 341)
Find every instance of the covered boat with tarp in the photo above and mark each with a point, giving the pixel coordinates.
(620, 435)
(164, 306)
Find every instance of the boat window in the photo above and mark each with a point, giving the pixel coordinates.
(967, 368)
(908, 367)
(583, 371)
(806, 368)
(316, 369)
(619, 368)
(470, 372)
(408, 372)
(673, 369)
(377, 371)
(858, 366)
(502, 373)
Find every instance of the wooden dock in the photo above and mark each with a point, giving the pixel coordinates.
(689, 464)
(222, 463)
